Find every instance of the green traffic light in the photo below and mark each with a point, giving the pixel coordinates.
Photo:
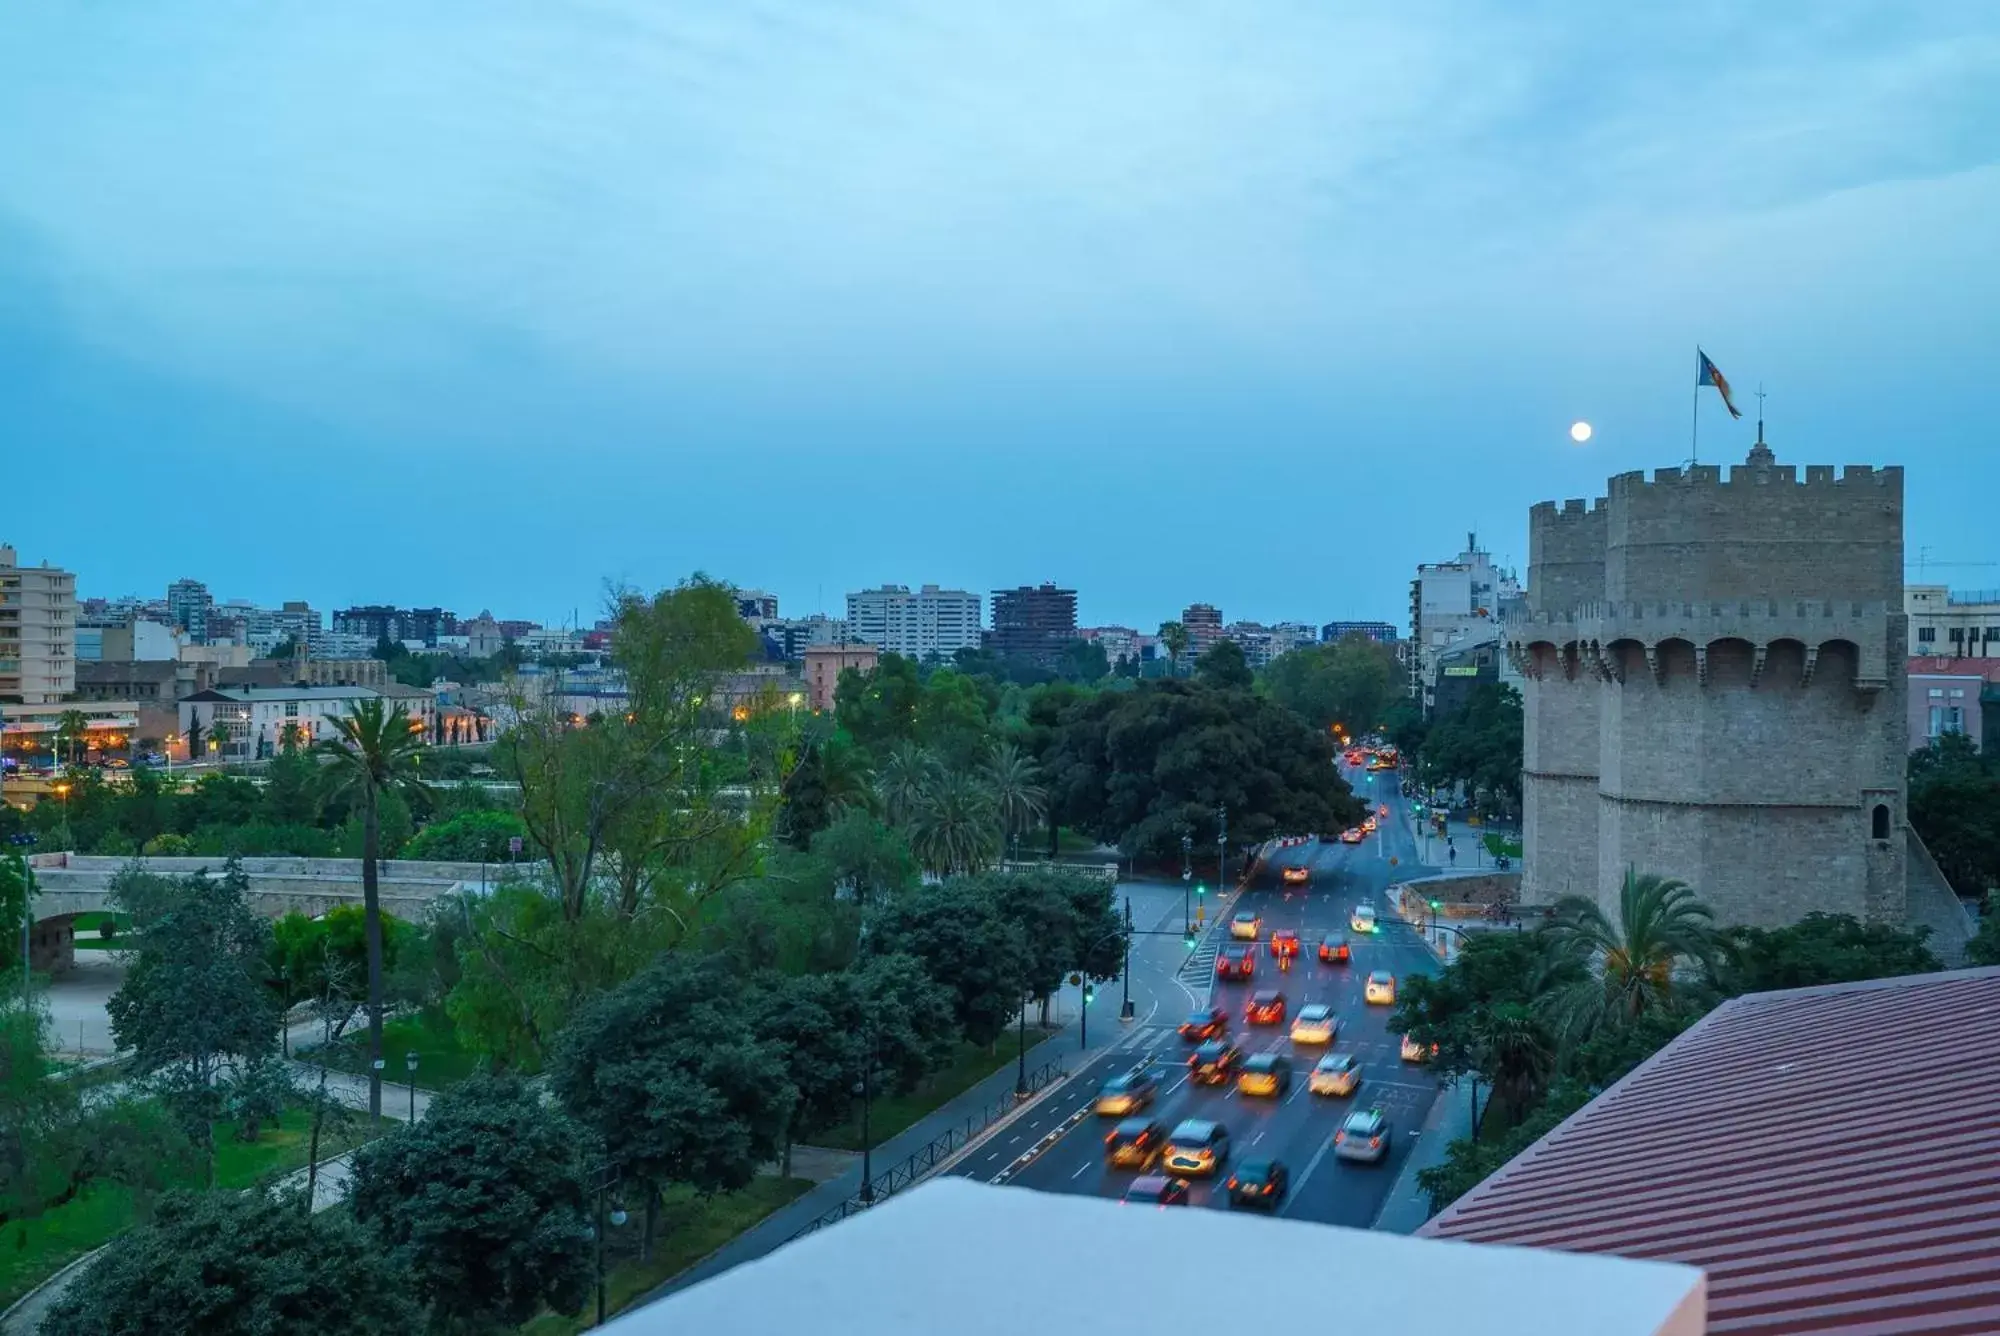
(1437, 904)
(1200, 889)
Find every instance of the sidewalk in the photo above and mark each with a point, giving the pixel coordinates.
(1408, 1206)
(1435, 853)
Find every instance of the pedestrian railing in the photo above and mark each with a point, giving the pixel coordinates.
(940, 1148)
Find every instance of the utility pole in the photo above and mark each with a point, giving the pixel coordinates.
(1221, 849)
(1187, 879)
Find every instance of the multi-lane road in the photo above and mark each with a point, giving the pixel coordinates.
(1058, 1146)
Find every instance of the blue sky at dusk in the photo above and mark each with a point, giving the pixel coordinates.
(485, 302)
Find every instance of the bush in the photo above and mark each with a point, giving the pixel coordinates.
(469, 837)
(168, 846)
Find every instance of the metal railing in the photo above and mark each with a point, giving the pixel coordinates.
(940, 1148)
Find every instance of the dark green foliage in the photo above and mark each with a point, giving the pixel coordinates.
(975, 952)
(1479, 746)
(486, 1200)
(238, 1264)
(1224, 666)
(1820, 949)
(667, 1071)
(1352, 682)
(469, 837)
(1955, 806)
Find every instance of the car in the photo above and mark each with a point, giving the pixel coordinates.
(1236, 963)
(1415, 1052)
(1136, 1143)
(1364, 1137)
(1265, 1074)
(1266, 1007)
(1246, 926)
(1201, 1025)
(1296, 876)
(1368, 825)
(1157, 1190)
(1380, 989)
(1316, 1024)
(1284, 942)
(1382, 811)
(1352, 835)
(1333, 950)
(1362, 919)
(1335, 1074)
(1197, 1146)
(1214, 1062)
(1355, 758)
(1259, 1184)
(1125, 1095)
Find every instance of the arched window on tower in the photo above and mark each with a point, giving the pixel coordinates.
(1881, 821)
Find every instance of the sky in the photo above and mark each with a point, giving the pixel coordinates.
(487, 303)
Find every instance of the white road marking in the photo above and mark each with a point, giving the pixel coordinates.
(1079, 1172)
(994, 1156)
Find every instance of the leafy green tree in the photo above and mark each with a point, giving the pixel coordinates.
(292, 787)
(373, 754)
(830, 780)
(1819, 949)
(953, 828)
(974, 951)
(1014, 781)
(1479, 746)
(868, 859)
(1984, 948)
(1224, 666)
(1955, 807)
(792, 920)
(1631, 963)
(238, 1264)
(486, 1199)
(1084, 661)
(1516, 1056)
(1174, 636)
(878, 708)
(144, 809)
(218, 800)
(1352, 681)
(469, 837)
(668, 1073)
(902, 781)
(954, 719)
(194, 1002)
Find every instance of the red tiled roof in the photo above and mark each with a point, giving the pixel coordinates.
(1945, 666)
(1830, 1156)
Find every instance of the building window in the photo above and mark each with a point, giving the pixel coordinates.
(1958, 693)
(1926, 635)
(1947, 719)
(1937, 693)
(1881, 821)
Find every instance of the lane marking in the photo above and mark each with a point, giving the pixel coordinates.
(1079, 1172)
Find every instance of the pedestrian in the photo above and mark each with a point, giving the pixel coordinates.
(1451, 852)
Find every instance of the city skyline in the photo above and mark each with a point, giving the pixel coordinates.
(984, 297)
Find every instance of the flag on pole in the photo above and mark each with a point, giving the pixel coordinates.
(1706, 374)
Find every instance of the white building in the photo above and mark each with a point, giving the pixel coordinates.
(1952, 626)
(1119, 642)
(37, 631)
(930, 621)
(247, 723)
(1449, 602)
(339, 645)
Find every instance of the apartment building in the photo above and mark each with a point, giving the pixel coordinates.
(1953, 695)
(1952, 625)
(37, 631)
(1203, 624)
(380, 621)
(915, 625)
(1119, 642)
(188, 604)
(1383, 633)
(824, 665)
(1455, 604)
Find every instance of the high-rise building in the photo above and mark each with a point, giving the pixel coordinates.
(916, 626)
(37, 632)
(1203, 624)
(756, 607)
(1033, 620)
(1454, 604)
(1383, 633)
(188, 604)
(791, 637)
(379, 621)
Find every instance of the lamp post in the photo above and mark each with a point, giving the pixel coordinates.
(1021, 1071)
(867, 1083)
(1221, 850)
(607, 1178)
(410, 1065)
(1125, 978)
(1187, 876)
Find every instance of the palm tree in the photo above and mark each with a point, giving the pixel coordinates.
(1175, 637)
(1516, 1056)
(952, 828)
(375, 749)
(72, 726)
(1014, 782)
(1661, 927)
(902, 781)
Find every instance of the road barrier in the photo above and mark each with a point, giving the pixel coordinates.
(941, 1148)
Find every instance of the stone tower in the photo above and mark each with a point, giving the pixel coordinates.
(1714, 690)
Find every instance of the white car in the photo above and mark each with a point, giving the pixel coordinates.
(1362, 919)
(1246, 927)
(1336, 1074)
(1315, 1025)
(1364, 1136)
(1415, 1052)
(1381, 989)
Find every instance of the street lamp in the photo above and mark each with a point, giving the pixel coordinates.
(1125, 1012)
(1187, 875)
(410, 1065)
(1021, 1072)
(607, 1178)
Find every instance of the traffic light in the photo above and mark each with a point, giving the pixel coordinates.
(1200, 888)
(1436, 905)
(1089, 993)
(1189, 939)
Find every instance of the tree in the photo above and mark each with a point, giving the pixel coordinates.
(1515, 1056)
(1479, 746)
(469, 837)
(1819, 949)
(1224, 666)
(72, 727)
(1955, 807)
(237, 1264)
(968, 945)
(830, 780)
(878, 708)
(868, 859)
(952, 828)
(194, 1003)
(1084, 661)
(1014, 781)
(1353, 681)
(1984, 948)
(902, 780)
(373, 753)
(668, 1073)
(1175, 637)
(1661, 926)
(486, 1200)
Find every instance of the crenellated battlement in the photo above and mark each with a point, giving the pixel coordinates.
(1735, 610)
(1850, 477)
(1547, 512)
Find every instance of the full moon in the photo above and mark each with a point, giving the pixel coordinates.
(1579, 432)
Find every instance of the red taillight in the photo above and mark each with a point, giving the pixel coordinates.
(1232, 1182)
(1339, 1137)
(1110, 1137)
(1374, 1142)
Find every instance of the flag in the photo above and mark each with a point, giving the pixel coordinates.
(1706, 374)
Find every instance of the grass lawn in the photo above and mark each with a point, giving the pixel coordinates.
(892, 1114)
(441, 1060)
(87, 928)
(35, 1249)
(689, 1230)
(1500, 844)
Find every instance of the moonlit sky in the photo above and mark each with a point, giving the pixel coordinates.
(485, 302)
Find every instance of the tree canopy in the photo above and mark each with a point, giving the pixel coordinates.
(1353, 682)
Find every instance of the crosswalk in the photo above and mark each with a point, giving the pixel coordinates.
(1200, 963)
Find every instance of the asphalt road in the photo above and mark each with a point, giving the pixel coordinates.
(1297, 1128)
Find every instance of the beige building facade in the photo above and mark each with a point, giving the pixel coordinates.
(825, 663)
(37, 631)
(1714, 690)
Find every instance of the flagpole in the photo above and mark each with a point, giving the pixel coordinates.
(1694, 431)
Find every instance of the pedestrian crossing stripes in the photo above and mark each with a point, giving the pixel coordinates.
(1201, 961)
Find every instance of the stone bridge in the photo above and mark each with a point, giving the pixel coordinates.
(70, 884)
